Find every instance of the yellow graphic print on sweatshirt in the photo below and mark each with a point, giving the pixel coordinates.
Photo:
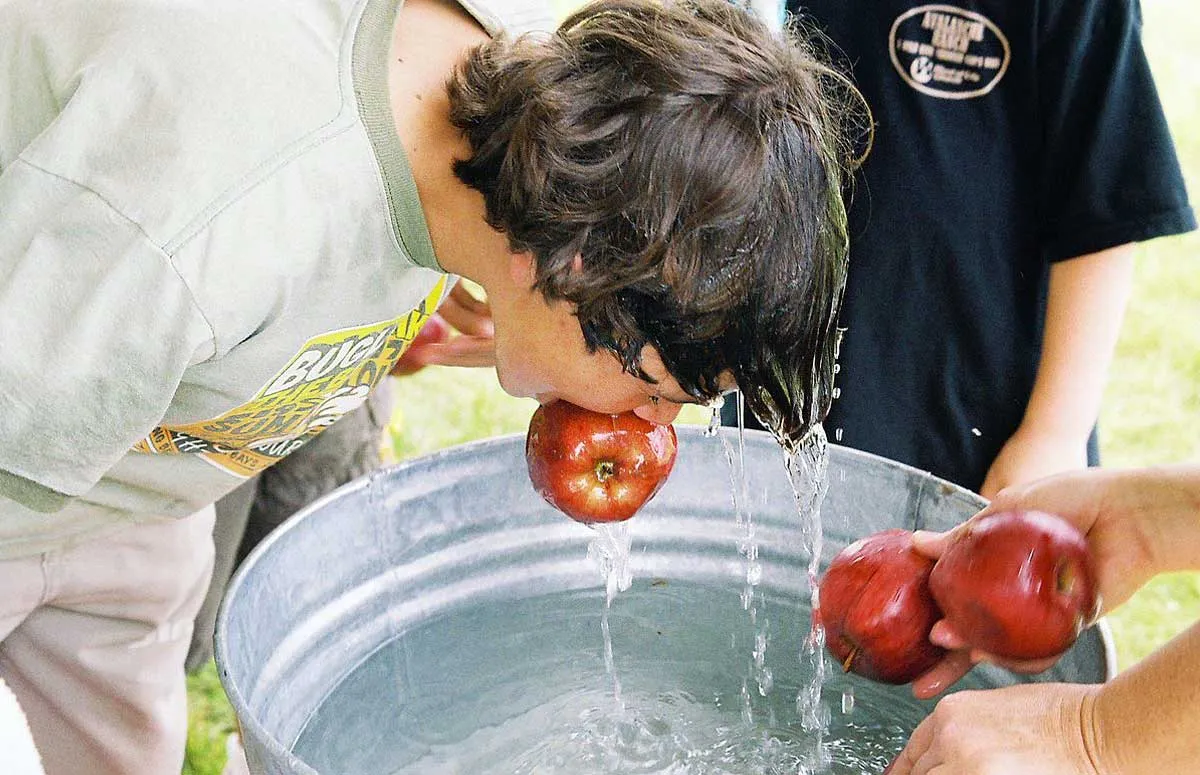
(331, 375)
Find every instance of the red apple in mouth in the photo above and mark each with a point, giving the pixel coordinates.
(413, 359)
(1018, 585)
(597, 467)
(877, 610)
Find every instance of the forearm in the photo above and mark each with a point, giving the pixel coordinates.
(1085, 305)
(1147, 720)
(1167, 516)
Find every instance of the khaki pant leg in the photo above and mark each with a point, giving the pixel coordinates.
(17, 752)
(232, 512)
(98, 666)
(21, 590)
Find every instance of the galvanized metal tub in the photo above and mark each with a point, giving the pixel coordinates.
(361, 567)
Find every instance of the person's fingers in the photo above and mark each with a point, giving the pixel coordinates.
(919, 748)
(1004, 498)
(930, 544)
(462, 351)
(1065, 494)
(468, 322)
(467, 314)
(992, 485)
(941, 676)
(468, 300)
(943, 634)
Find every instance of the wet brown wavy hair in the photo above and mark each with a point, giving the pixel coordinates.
(695, 159)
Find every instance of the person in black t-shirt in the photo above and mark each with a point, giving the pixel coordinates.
(1020, 151)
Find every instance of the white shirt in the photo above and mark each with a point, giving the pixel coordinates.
(211, 246)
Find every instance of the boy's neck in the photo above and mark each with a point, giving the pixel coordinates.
(431, 37)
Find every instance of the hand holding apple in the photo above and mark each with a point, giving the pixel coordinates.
(1138, 522)
(597, 467)
(1018, 585)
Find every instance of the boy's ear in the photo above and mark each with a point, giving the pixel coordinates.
(522, 269)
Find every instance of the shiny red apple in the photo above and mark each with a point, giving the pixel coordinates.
(877, 610)
(413, 359)
(1018, 585)
(597, 467)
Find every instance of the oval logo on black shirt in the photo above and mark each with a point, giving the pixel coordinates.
(948, 52)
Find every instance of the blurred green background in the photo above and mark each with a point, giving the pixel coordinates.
(1151, 411)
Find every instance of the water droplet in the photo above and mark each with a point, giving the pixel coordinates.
(807, 469)
(714, 423)
(747, 707)
(847, 702)
(766, 681)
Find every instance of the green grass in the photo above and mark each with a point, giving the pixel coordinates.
(451, 407)
(210, 721)
(1151, 410)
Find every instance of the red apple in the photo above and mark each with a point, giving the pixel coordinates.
(1017, 584)
(597, 467)
(434, 331)
(877, 610)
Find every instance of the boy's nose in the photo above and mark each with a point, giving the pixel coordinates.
(662, 412)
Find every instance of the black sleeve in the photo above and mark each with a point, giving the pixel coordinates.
(1110, 172)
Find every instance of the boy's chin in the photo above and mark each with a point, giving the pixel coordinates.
(512, 383)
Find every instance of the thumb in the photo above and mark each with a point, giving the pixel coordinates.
(918, 745)
(1006, 498)
(930, 544)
